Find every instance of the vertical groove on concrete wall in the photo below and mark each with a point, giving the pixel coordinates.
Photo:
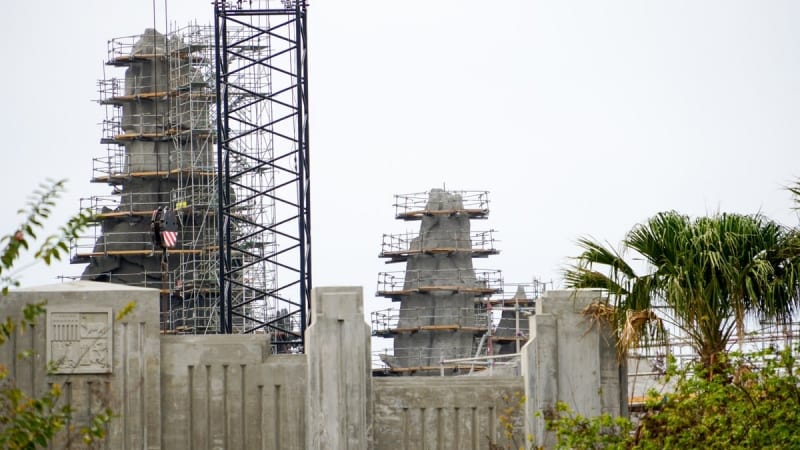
(439, 431)
(68, 390)
(125, 406)
(225, 415)
(208, 407)
(492, 431)
(405, 429)
(422, 421)
(14, 353)
(277, 411)
(243, 402)
(32, 358)
(108, 403)
(260, 416)
(190, 397)
(474, 422)
(457, 426)
(320, 377)
(89, 390)
(142, 385)
(343, 394)
(49, 386)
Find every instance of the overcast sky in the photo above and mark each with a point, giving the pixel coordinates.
(579, 117)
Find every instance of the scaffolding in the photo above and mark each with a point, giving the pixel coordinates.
(481, 282)
(422, 360)
(415, 206)
(160, 139)
(398, 247)
(509, 311)
(193, 112)
(499, 322)
(158, 133)
(387, 322)
(442, 313)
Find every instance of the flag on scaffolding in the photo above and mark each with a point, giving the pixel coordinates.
(169, 238)
(164, 225)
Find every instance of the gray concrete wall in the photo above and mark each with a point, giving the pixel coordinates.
(132, 387)
(210, 392)
(570, 359)
(442, 413)
(339, 373)
(229, 392)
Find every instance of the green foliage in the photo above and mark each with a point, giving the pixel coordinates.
(28, 422)
(25, 422)
(751, 403)
(126, 310)
(96, 430)
(511, 425)
(577, 432)
(709, 273)
(39, 207)
(747, 402)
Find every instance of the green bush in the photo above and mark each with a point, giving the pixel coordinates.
(30, 422)
(577, 432)
(744, 402)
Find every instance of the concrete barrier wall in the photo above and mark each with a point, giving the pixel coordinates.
(338, 374)
(229, 392)
(444, 413)
(119, 370)
(570, 358)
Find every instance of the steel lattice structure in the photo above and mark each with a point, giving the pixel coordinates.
(263, 168)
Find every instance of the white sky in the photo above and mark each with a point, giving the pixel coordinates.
(579, 117)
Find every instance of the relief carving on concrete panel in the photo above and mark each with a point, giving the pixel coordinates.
(79, 341)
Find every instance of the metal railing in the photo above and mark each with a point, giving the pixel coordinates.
(417, 358)
(489, 362)
(124, 47)
(397, 319)
(411, 242)
(477, 201)
(479, 281)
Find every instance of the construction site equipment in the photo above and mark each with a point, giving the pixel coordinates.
(208, 129)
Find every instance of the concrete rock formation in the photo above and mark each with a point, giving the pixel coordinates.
(438, 317)
(159, 141)
(513, 325)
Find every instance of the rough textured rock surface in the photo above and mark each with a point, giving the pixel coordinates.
(445, 308)
(166, 154)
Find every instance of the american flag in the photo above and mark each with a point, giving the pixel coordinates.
(165, 227)
(169, 238)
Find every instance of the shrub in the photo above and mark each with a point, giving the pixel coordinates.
(744, 402)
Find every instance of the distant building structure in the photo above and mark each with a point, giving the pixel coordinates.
(207, 158)
(447, 307)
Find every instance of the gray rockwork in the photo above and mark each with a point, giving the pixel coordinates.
(446, 308)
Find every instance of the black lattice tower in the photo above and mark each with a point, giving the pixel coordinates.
(263, 163)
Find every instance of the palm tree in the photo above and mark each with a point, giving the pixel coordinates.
(705, 277)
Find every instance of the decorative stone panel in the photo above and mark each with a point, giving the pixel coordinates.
(79, 341)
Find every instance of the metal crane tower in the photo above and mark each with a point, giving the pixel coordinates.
(263, 165)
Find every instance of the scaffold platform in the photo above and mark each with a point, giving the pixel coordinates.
(475, 205)
(394, 321)
(398, 247)
(478, 282)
